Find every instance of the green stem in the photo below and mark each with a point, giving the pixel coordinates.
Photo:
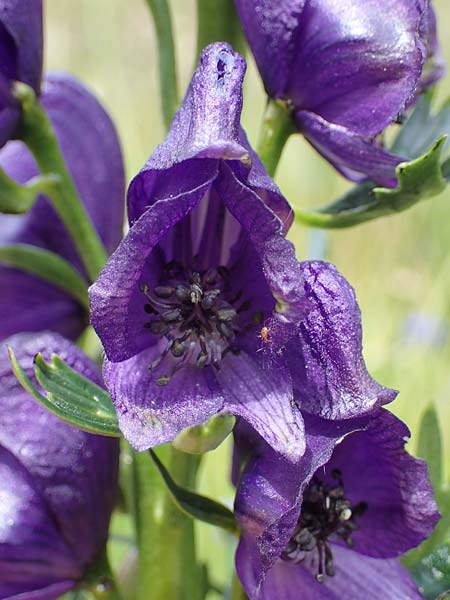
(276, 128)
(167, 61)
(99, 580)
(37, 133)
(167, 564)
(237, 593)
(217, 21)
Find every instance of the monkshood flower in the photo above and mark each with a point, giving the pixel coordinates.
(204, 295)
(346, 69)
(334, 525)
(58, 483)
(20, 57)
(90, 146)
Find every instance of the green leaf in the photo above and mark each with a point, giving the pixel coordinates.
(430, 446)
(70, 396)
(432, 574)
(48, 266)
(419, 179)
(196, 506)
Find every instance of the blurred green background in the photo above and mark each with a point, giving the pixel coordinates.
(399, 266)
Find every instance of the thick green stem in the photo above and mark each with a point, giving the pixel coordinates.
(217, 21)
(167, 563)
(276, 128)
(237, 593)
(99, 580)
(167, 61)
(37, 133)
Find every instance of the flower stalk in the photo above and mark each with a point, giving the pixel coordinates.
(237, 593)
(100, 580)
(167, 564)
(37, 133)
(218, 22)
(276, 128)
(167, 60)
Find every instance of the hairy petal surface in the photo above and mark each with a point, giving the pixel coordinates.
(355, 574)
(325, 360)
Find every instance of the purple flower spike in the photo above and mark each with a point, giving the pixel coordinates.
(204, 308)
(58, 483)
(89, 143)
(20, 56)
(333, 525)
(347, 70)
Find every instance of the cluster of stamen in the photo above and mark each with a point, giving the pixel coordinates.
(326, 513)
(196, 311)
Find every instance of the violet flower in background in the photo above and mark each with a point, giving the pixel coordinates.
(58, 483)
(333, 525)
(90, 146)
(347, 67)
(204, 308)
(20, 57)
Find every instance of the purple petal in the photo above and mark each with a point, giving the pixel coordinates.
(74, 471)
(22, 23)
(151, 414)
(377, 470)
(270, 29)
(117, 307)
(340, 59)
(31, 546)
(49, 591)
(262, 396)
(356, 156)
(325, 361)
(270, 491)
(355, 575)
(207, 126)
(28, 303)
(435, 66)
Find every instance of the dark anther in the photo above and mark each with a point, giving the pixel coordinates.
(226, 314)
(178, 348)
(164, 291)
(202, 360)
(196, 311)
(326, 515)
(171, 315)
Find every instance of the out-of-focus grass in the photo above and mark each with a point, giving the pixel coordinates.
(399, 266)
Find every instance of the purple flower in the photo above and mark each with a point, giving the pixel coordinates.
(90, 146)
(20, 56)
(58, 482)
(333, 525)
(347, 70)
(204, 308)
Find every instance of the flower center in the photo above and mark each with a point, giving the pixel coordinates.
(197, 312)
(326, 513)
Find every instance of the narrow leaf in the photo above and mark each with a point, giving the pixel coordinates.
(48, 266)
(73, 398)
(196, 506)
(419, 179)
